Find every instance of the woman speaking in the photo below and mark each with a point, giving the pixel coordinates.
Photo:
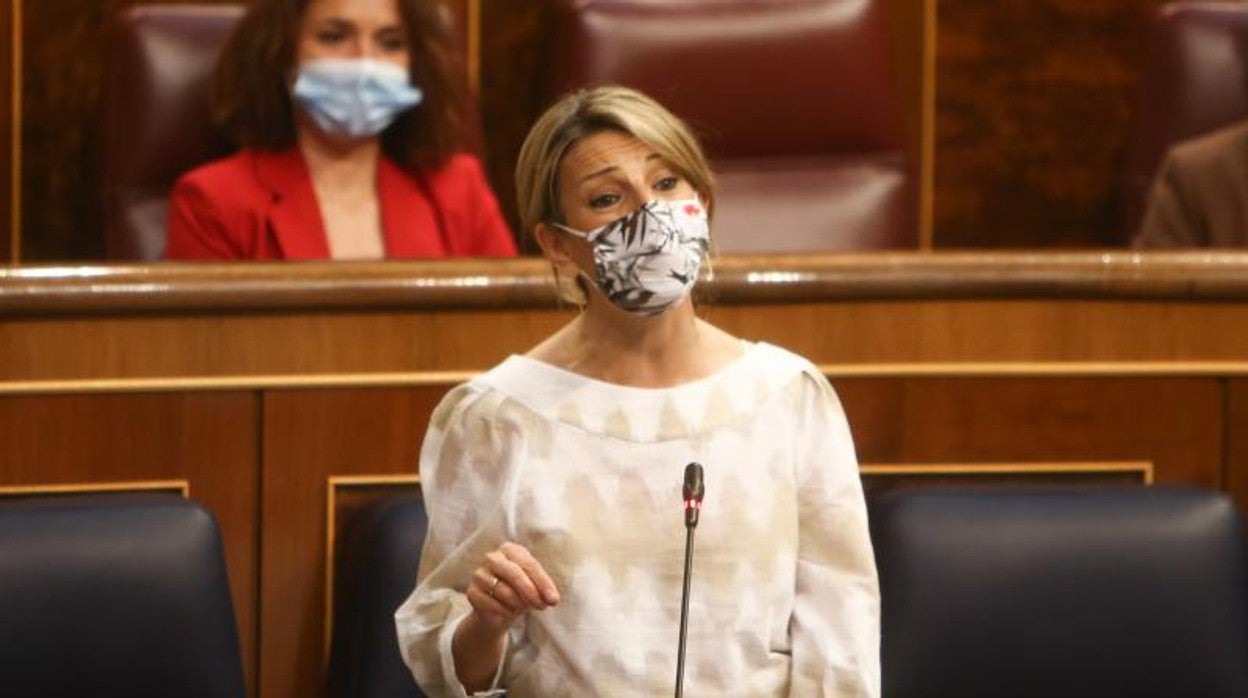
(553, 563)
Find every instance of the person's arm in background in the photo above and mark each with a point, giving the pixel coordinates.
(196, 230)
(835, 627)
(1171, 220)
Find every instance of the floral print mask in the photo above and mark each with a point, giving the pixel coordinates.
(648, 260)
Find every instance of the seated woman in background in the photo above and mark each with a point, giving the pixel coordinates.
(553, 562)
(355, 124)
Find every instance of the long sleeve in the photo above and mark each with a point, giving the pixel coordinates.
(835, 627)
(1170, 220)
(463, 463)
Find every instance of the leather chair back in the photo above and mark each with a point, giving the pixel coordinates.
(1137, 592)
(158, 121)
(115, 595)
(797, 102)
(1196, 81)
(380, 557)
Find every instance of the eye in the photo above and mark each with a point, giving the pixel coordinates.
(331, 36)
(392, 41)
(604, 201)
(668, 183)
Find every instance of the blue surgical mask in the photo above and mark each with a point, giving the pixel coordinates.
(356, 97)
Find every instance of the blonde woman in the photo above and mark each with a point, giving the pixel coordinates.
(553, 564)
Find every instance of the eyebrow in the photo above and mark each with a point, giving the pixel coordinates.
(344, 23)
(610, 168)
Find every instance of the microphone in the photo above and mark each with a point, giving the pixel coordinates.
(692, 491)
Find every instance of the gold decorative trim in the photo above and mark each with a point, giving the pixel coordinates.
(474, 46)
(927, 130)
(332, 484)
(260, 382)
(15, 136)
(1144, 468)
(182, 487)
(1092, 369)
(1027, 369)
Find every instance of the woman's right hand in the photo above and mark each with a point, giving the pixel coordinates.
(509, 582)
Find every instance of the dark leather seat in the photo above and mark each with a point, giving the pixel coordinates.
(115, 596)
(158, 121)
(1196, 81)
(381, 553)
(797, 101)
(1135, 592)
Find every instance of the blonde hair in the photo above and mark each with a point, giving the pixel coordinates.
(584, 113)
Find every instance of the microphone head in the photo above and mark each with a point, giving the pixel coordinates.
(694, 487)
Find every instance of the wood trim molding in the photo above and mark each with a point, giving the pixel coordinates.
(1143, 468)
(451, 378)
(14, 193)
(473, 22)
(526, 283)
(225, 383)
(927, 130)
(181, 487)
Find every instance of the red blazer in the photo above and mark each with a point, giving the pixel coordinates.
(261, 205)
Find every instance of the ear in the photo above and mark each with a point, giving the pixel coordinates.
(557, 247)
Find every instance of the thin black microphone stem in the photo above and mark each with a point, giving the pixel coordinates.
(684, 613)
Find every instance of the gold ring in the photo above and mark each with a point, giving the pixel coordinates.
(493, 586)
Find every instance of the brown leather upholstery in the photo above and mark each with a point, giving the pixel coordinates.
(797, 102)
(157, 121)
(1196, 81)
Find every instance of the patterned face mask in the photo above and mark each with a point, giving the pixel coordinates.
(354, 97)
(647, 260)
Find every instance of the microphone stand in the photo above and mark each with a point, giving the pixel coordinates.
(693, 490)
(684, 608)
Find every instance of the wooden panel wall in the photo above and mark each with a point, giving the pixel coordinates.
(1035, 102)
(864, 334)
(986, 420)
(258, 407)
(310, 435)
(208, 439)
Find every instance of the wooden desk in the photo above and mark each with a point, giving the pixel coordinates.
(256, 384)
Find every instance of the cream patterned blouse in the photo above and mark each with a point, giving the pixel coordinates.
(587, 475)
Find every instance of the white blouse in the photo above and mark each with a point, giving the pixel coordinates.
(587, 475)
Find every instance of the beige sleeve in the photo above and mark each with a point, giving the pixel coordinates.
(835, 627)
(463, 468)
